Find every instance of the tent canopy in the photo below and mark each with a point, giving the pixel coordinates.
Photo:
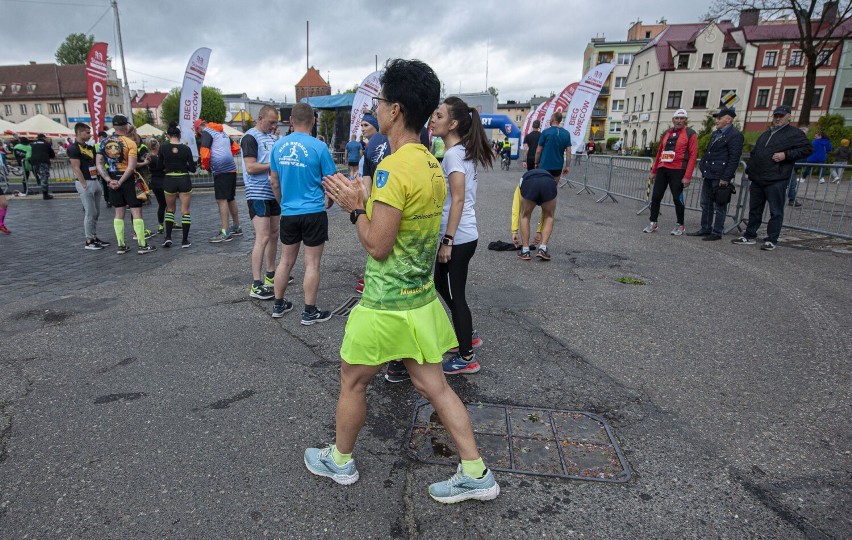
(148, 130)
(42, 124)
(231, 132)
(330, 102)
(5, 126)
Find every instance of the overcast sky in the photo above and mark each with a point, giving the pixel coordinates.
(259, 46)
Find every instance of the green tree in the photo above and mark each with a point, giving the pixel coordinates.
(326, 125)
(493, 91)
(140, 118)
(74, 49)
(212, 105)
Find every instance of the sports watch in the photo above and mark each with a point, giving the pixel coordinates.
(353, 216)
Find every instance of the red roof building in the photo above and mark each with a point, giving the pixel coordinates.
(312, 84)
(152, 103)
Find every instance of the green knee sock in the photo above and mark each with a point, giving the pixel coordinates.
(118, 225)
(474, 468)
(342, 459)
(139, 227)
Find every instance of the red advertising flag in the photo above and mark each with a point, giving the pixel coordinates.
(96, 87)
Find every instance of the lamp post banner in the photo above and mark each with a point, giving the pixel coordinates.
(363, 101)
(578, 114)
(190, 96)
(96, 85)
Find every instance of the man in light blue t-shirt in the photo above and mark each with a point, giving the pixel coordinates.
(297, 166)
(353, 156)
(554, 148)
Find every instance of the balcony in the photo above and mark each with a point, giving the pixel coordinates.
(605, 90)
(598, 112)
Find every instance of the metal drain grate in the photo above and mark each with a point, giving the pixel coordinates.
(526, 440)
(344, 308)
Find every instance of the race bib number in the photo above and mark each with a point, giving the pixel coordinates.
(93, 172)
(667, 156)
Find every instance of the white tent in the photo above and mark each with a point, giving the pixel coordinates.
(42, 124)
(231, 132)
(148, 131)
(5, 125)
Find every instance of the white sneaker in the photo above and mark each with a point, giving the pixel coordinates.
(822, 180)
(800, 180)
(679, 230)
(652, 227)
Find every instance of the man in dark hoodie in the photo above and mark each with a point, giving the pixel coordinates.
(769, 170)
(42, 153)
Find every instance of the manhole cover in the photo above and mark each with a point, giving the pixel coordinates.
(344, 308)
(526, 440)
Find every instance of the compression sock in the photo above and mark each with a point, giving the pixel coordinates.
(170, 224)
(2, 215)
(186, 221)
(543, 246)
(474, 468)
(118, 225)
(139, 227)
(343, 459)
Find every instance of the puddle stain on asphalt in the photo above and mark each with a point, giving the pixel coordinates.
(109, 398)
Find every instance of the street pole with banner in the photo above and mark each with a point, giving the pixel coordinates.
(363, 101)
(578, 114)
(190, 96)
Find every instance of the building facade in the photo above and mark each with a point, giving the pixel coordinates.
(151, 103)
(312, 84)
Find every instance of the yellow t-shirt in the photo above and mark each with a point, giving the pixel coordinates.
(409, 180)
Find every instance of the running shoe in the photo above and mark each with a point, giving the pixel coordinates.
(822, 180)
(186, 244)
(4, 229)
(794, 204)
(101, 242)
(457, 365)
(543, 254)
(767, 246)
(236, 231)
(261, 293)
(475, 341)
(148, 234)
(743, 241)
(93, 245)
(147, 248)
(122, 249)
(678, 231)
(360, 287)
(320, 463)
(524, 255)
(712, 237)
(167, 243)
(461, 487)
(278, 310)
(268, 281)
(651, 228)
(315, 317)
(221, 237)
(396, 372)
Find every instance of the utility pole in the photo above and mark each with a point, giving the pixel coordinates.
(307, 45)
(127, 110)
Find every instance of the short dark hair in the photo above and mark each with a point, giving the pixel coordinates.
(415, 87)
(80, 126)
(557, 117)
(302, 114)
(536, 124)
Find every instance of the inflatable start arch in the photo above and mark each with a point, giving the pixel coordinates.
(509, 129)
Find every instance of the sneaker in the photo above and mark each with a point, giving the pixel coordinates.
(359, 288)
(767, 246)
(147, 248)
(524, 255)
(94, 245)
(122, 249)
(167, 243)
(278, 310)
(652, 227)
(268, 281)
(457, 365)
(148, 234)
(186, 244)
(475, 341)
(261, 293)
(315, 317)
(678, 231)
(800, 180)
(461, 487)
(320, 463)
(822, 180)
(396, 372)
(699, 233)
(236, 231)
(795, 204)
(4, 229)
(221, 237)
(543, 254)
(712, 237)
(743, 241)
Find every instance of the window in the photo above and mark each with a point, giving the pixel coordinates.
(648, 35)
(651, 104)
(699, 99)
(120, 108)
(517, 118)
(2, 88)
(789, 98)
(16, 88)
(86, 108)
(796, 58)
(605, 58)
(731, 60)
(769, 58)
(638, 69)
(624, 59)
(642, 107)
(823, 58)
(31, 88)
(647, 65)
(707, 61)
(37, 108)
(614, 127)
(817, 101)
(112, 108)
(621, 82)
(683, 61)
(673, 101)
(847, 98)
(24, 108)
(618, 104)
(762, 100)
(55, 108)
(8, 108)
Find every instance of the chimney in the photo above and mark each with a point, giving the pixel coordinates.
(749, 17)
(32, 62)
(829, 12)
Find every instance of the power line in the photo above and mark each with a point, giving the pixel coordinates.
(155, 76)
(99, 20)
(52, 3)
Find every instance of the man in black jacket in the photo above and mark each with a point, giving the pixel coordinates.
(718, 167)
(769, 170)
(42, 153)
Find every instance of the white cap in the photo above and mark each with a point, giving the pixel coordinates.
(680, 112)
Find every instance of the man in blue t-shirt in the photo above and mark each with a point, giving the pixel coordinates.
(554, 148)
(353, 156)
(297, 165)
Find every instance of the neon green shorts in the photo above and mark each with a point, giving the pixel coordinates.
(374, 337)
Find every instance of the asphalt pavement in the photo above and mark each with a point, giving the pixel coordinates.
(148, 396)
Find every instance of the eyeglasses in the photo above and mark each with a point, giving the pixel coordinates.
(377, 99)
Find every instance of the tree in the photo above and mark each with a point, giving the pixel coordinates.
(74, 49)
(493, 91)
(140, 118)
(212, 105)
(821, 31)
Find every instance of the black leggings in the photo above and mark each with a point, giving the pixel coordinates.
(161, 203)
(672, 179)
(450, 282)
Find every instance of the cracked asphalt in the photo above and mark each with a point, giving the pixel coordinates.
(148, 396)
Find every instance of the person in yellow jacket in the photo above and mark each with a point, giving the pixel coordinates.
(516, 213)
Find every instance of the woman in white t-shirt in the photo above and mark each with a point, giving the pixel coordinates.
(466, 146)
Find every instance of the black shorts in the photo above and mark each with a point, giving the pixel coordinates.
(263, 208)
(556, 173)
(312, 229)
(125, 195)
(538, 186)
(177, 184)
(225, 186)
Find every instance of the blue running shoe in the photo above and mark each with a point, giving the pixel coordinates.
(320, 463)
(457, 365)
(235, 231)
(461, 487)
(315, 317)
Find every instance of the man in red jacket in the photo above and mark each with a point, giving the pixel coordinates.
(673, 168)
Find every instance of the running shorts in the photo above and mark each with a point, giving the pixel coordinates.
(538, 187)
(263, 208)
(312, 229)
(225, 186)
(177, 184)
(125, 195)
